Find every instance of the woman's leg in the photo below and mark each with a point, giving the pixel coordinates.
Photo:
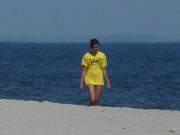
(98, 93)
(92, 94)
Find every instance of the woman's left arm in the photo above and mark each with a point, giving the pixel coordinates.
(106, 78)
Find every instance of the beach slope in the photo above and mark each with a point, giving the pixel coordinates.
(19, 117)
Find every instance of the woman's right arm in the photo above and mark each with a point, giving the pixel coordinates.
(83, 73)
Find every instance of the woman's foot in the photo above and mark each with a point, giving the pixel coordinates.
(92, 103)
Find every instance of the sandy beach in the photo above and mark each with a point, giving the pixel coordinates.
(44, 118)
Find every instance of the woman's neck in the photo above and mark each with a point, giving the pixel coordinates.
(93, 53)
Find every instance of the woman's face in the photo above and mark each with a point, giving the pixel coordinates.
(95, 48)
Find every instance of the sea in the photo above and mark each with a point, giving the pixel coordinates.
(142, 75)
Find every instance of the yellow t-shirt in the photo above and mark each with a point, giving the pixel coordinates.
(94, 64)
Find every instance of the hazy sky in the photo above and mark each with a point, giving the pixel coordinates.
(48, 20)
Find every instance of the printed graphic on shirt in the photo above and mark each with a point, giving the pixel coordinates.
(95, 61)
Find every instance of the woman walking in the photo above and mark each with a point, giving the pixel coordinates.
(94, 72)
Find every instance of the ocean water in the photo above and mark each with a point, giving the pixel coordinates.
(143, 75)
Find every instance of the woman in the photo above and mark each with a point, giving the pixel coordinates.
(94, 72)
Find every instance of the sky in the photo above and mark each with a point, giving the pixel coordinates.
(79, 20)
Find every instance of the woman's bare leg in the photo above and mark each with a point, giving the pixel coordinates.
(92, 94)
(98, 92)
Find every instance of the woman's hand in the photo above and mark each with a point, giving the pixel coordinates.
(81, 85)
(84, 70)
(108, 86)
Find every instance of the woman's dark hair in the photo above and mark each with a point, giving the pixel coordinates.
(94, 41)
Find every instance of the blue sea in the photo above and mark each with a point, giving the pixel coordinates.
(143, 75)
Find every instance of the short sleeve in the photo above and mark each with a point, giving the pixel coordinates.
(84, 61)
(104, 62)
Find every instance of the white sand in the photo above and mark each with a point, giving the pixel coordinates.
(45, 118)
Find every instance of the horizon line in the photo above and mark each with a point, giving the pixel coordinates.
(82, 42)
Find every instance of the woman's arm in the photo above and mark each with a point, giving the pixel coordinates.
(106, 78)
(83, 73)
